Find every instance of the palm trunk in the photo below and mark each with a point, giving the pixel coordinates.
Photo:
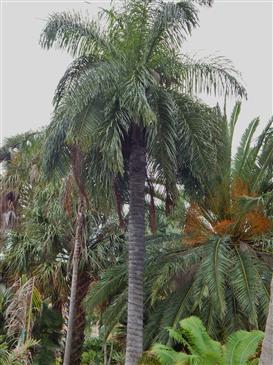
(73, 290)
(267, 348)
(136, 247)
(79, 320)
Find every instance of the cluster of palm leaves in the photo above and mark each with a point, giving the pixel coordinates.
(127, 131)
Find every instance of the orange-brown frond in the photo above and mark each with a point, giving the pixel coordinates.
(239, 188)
(223, 227)
(257, 223)
(196, 232)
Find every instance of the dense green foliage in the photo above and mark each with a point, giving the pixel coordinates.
(215, 263)
(208, 212)
(240, 348)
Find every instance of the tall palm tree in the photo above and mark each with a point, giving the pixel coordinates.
(118, 96)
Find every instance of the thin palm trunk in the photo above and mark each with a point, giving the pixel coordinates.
(136, 246)
(267, 348)
(73, 290)
(79, 318)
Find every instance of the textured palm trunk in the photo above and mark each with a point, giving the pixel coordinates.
(267, 348)
(73, 290)
(79, 319)
(136, 247)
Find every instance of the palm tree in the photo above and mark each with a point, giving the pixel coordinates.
(117, 95)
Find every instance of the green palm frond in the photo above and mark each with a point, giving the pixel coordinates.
(56, 154)
(197, 76)
(78, 67)
(102, 76)
(171, 22)
(116, 312)
(162, 137)
(111, 283)
(171, 266)
(198, 135)
(74, 33)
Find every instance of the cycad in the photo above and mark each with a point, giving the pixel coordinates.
(240, 349)
(228, 232)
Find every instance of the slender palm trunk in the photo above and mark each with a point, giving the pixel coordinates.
(79, 319)
(74, 281)
(136, 243)
(267, 348)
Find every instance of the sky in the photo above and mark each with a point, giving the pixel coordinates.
(239, 30)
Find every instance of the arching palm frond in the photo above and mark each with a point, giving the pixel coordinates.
(56, 153)
(212, 75)
(74, 33)
(198, 137)
(170, 23)
(91, 83)
(74, 71)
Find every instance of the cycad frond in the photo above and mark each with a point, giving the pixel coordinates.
(242, 346)
(245, 286)
(244, 148)
(212, 272)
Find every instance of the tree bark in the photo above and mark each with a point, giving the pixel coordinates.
(74, 281)
(136, 247)
(267, 348)
(79, 319)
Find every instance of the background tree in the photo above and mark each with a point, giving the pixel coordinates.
(40, 245)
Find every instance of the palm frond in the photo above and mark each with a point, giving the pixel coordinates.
(74, 33)
(212, 75)
(171, 22)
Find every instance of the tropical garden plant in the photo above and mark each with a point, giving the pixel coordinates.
(122, 96)
(241, 348)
